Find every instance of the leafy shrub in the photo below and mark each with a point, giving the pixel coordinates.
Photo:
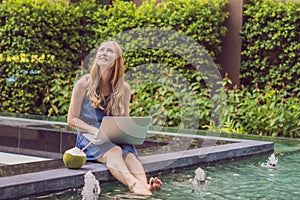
(262, 110)
(270, 41)
(23, 52)
(59, 95)
(166, 96)
(38, 39)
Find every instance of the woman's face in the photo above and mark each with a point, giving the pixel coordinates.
(106, 55)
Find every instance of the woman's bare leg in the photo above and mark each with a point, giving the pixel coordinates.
(137, 170)
(118, 168)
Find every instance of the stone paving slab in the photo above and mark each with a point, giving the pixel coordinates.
(11, 158)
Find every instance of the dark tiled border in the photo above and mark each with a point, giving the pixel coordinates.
(30, 137)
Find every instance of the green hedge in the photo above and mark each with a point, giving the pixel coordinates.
(270, 41)
(264, 111)
(43, 45)
(38, 40)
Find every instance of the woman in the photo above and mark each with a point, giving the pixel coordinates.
(104, 92)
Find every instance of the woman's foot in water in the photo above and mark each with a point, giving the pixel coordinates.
(154, 184)
(139, 188)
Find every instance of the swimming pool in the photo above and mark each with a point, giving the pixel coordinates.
(232, 179)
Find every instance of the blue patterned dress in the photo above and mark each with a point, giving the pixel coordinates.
(94, 117)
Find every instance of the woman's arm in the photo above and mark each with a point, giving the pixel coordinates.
(75, 108)
(127, 98)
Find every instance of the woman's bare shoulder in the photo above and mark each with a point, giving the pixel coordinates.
(83, 81)
(126, 87)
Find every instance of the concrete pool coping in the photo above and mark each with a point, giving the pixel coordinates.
(46, 182)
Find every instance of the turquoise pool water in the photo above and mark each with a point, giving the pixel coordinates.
(232, 179)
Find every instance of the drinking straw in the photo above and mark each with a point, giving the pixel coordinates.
(86, 146)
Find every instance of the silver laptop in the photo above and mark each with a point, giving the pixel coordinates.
(123, 130)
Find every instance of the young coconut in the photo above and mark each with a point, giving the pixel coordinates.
(74, 158)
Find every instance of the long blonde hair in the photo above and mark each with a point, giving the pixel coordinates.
(115, 103)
